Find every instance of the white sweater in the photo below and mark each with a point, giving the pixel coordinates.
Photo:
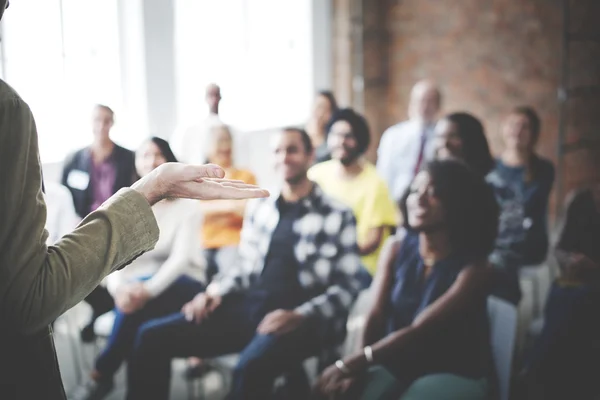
(176, 253)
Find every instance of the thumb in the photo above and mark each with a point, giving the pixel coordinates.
(208, 171)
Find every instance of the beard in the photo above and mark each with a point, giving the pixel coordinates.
(352, 156)
(297, 178)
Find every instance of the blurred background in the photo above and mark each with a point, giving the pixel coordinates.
(151, 60)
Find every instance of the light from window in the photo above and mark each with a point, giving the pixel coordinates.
(258, 51)
(62, 57)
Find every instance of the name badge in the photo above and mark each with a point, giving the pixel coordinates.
(78, 179)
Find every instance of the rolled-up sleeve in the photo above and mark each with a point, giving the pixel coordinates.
(38, 283)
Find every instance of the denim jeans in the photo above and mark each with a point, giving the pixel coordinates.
(126, 326)
(231, 329)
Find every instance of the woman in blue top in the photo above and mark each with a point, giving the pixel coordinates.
(522, 182)
(461, 136)
(429, 316)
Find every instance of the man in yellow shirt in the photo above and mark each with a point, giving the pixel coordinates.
(351, 179)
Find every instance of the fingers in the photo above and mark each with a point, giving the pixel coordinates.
(266, 325)
(221, 180)
(239, 192)
(207, 171)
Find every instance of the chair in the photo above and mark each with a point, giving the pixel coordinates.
(503, 329)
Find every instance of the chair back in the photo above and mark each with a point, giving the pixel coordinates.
(503, 328)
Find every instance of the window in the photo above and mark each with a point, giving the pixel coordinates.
(62, 56)
(258, 51)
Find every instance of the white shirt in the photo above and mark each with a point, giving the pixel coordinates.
(176, 253)
(190, 143)
(398, 154)
(61, 216)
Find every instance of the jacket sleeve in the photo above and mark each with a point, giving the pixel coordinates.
(38, 283)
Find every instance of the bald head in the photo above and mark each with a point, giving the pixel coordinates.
(213, 97)
(425, 101)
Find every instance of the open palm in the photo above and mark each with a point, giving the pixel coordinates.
(202, 182)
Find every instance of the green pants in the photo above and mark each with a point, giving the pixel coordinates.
(382, 385)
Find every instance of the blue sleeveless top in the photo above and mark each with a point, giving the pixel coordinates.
(464, 347)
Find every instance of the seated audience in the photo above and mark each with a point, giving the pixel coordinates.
(406, 147)
(461, 136)
(92, 175)
(353, 180)
(287, 299)
(428, 327)
(522, 181)
(565, 359)
(158, 282)
(220, 233)
(325, 106)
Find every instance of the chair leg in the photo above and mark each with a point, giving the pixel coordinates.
(191, 385)
(75, 348)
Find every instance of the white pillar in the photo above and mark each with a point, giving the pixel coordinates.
(148, 68)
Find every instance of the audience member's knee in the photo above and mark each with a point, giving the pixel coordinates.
(147, 338)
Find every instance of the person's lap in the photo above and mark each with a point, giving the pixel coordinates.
(126, 326)
(381, 384)
(231, 329)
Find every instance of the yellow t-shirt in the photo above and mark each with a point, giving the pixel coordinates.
(368, 197)
(224, 229)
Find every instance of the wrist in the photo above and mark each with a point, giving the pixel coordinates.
(356, 363)
(147, 188)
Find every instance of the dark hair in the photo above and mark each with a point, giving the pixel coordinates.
(470, 207)
(476, 150)
(535, 124)
(328, 94)
(164, 148)
(360, 128)
(308, 147)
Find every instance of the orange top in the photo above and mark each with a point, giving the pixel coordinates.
(222, 227)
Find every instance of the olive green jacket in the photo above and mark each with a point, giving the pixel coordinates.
(38, 282)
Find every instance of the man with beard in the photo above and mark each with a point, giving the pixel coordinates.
(287, 298)
(351, 179)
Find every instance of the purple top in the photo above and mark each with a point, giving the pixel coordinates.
(102, 181)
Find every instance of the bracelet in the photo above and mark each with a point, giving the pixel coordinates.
(339, 364)
(368, 354)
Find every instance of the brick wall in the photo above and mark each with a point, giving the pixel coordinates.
(488, 56)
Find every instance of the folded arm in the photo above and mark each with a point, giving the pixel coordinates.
(472, 287)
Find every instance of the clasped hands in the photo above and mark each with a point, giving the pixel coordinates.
(278, 322)
(131, 297)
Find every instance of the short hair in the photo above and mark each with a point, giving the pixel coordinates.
(358, 124)
(328, 94)
(476, 150)
(164, 148)
(106, 108)
(306, 142)
(535, 124)
(470, 207)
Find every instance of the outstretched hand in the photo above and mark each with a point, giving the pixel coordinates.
(202, 182)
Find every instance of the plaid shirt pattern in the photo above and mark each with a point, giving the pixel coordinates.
(326, 250)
